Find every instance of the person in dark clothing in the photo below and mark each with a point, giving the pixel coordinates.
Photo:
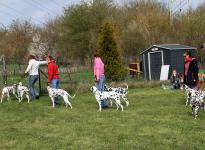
(175, 80)
(190, 70)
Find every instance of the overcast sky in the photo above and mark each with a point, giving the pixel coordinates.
(38, 11)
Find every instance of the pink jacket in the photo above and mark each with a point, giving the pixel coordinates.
(98, 68)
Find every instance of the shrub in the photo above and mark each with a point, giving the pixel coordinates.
(110, 53)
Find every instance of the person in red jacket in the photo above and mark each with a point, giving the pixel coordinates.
(53, 76)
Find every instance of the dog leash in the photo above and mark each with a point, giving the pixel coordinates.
(77, 90)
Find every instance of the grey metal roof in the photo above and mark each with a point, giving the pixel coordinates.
(174, 46)
(171, 47)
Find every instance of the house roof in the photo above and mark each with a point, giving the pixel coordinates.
(171, 47)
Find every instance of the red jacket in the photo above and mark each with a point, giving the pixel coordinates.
(52, 71)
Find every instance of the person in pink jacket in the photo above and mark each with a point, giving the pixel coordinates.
(99, 76)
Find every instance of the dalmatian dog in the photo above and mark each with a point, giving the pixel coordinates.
(189, 92)
(100, 96)
(21, 91)
(195, 99)
(59, 92)
(122, 92)
(196, 102)
(7, 90)
(192, 93)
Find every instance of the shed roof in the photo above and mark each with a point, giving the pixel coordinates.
(171, 47)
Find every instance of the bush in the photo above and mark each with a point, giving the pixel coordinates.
(110, 53)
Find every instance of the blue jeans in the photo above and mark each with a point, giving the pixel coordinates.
(32, 81)
(55, 85)
(100, 86)
(101, 83)
(176, 85)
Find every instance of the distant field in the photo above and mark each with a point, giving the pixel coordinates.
(155, 119)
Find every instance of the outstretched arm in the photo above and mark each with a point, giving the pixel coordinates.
(42, 62)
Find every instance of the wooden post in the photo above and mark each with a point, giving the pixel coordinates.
(41, 73)
(4, 71)
(39, 82)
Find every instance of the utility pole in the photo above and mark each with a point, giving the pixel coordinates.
(176, 6)
(171, 2)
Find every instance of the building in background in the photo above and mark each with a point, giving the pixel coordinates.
(166, 54)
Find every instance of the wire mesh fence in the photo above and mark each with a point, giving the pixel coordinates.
(12, 74)
(70, 76)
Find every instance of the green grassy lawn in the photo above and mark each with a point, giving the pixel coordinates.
(155, 119)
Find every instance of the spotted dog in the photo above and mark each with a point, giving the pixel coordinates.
(99, 96)
(196, 101)
(189, 93)
(122, 92)
(7, 90)
(21, 91)
(59, 92)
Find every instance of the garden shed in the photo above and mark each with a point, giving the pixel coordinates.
(166, 54)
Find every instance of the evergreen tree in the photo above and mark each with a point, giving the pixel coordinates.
(110, 53)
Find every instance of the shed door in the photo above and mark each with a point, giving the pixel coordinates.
(156, 61)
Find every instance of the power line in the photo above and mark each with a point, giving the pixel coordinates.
(22, 14)
(173, 10)
(19, 12)
(181, 5)
(57, 4)
(41, 6)
(10, 7)
(16, 17)
(54, 2)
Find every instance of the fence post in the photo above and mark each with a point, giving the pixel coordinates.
(41, 73)
(4, 72)
(39, 82)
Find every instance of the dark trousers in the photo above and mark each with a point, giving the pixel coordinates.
(189, 82)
